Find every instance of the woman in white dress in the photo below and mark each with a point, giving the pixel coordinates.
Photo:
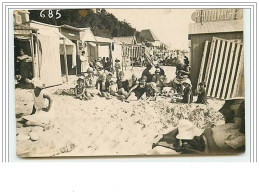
(84, 62)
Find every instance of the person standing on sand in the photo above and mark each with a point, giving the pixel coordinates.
(202, 95)
(187, 92)
(84, 62)
(42, 114)
(25, 65)
(117, 67)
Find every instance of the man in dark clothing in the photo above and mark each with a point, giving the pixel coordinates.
(147, 73)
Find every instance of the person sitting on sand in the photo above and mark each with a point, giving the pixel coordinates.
(147, 73)
(185, 139)
(202, 96)
(133, 82)
(113, 87)
(103, 86)
(159, 80)
(89, 78)
(123, 85)
(187, 92)
(81, 91)
(42, 112)
(151, 92)
(139, 91)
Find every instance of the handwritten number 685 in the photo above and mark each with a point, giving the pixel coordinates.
(50, 14)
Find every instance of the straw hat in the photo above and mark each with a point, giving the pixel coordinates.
(37, 83)
(187, 130)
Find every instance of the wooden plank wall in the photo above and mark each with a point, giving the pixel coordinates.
(197, 42)
(221, 68)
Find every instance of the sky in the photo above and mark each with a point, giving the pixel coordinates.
(169, 25)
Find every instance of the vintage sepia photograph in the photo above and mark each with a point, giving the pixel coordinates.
(129, 82)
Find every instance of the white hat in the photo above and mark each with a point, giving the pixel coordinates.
(37, 83)
(187, 130)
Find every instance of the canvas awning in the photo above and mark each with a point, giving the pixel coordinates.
(21, 37)
(70, 47)
(92, 44)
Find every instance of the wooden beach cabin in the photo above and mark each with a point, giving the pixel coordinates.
(216, 51)
(42, 42)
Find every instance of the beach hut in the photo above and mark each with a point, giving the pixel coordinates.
(75, 35)
(66, 48)
(148, 36)
(89, 43)
(42, 43)
(216, 51)
(131, 49)
(104, 46)
(117, 51)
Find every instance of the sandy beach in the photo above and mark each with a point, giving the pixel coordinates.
(101, 127)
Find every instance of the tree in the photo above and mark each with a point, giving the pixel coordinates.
(102, 23)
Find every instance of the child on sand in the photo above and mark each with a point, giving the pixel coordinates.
(202, 96)
(151, 91)
(123, 85)
(139, 91)
(103, 86)
(187, 92)
(133, 81)
(80, 90)
(90, 82)
(113, 87)
(42, 112)
(159, 80)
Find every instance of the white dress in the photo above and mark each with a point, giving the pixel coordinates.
(40, 116)
(84, 63)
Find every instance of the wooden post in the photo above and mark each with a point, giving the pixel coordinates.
(32, 56)
(65, 58)
(110, 53)
(204, 56)
(77, 54)
(38, 54)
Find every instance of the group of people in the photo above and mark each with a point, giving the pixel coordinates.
(110, 83)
